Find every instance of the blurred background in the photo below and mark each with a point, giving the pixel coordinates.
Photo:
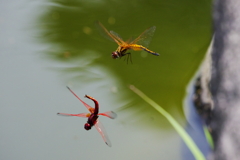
(50, 44)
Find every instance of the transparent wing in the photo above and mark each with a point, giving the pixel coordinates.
(145, 38)
(118, 37)
(129, 40)
(77, 115)
(103, 132)
(109, 114)
(107, 34)
(85, 104)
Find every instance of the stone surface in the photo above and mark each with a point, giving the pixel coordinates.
(225, 82)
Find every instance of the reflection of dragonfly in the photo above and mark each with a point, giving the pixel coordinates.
(93, 117)
(136, 44)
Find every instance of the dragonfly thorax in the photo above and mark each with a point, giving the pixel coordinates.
(91, 121)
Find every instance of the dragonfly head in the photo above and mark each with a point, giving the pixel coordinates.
(87, 126)
(115, 55)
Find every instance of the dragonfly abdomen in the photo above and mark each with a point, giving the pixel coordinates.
(149, 51)
(137, 47)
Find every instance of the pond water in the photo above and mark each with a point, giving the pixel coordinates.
(48, 45)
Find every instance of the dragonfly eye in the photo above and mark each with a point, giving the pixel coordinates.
(115, 55)
(87, 126)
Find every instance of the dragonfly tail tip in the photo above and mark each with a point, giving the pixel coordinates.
(108, 144)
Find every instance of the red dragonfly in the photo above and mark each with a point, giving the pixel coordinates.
(93, 117)
(136, 44)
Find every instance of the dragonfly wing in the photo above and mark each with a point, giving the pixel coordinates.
(145, 38)
(77, 115)
(85, 104)
(118, 37)
(129, 40)
(103, 132)
(106, 33)
(109, 114)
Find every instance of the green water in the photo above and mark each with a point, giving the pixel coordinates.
(182, 37)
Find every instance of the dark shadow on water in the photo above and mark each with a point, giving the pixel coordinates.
(182, 35)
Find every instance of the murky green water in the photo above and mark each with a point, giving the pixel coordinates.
(50, 44)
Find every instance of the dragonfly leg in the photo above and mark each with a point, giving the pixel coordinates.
(129, 57)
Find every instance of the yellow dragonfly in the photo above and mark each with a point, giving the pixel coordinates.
(136, 44)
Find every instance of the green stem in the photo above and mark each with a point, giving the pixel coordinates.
(183, 134)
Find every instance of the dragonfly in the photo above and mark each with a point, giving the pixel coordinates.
(93, 117)
(123, 46)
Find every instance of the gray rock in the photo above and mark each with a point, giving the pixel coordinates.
(225, 81)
